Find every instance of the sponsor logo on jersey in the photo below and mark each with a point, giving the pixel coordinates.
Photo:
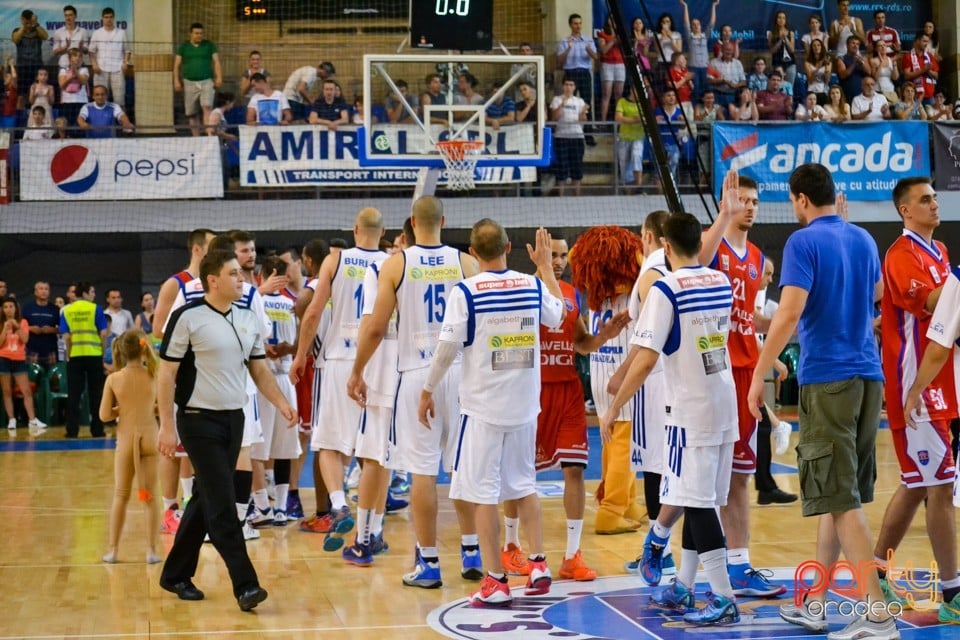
(434, 274)
(714, 361)
(509, 283)
(935, 273)
(355, 272)
(705, 280)
(938, 328)
(924, 457)
(507, 359)
(712, 341)
(752, 270)
(512, 341)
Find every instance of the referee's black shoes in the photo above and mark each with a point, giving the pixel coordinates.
(185, 590)
(251, 597)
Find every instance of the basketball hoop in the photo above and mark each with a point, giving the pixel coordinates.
(460, 157)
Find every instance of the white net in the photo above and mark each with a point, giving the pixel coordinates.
(460, 158)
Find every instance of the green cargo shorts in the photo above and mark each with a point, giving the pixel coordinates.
(836, 454)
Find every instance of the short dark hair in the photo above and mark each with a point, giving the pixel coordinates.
(654, 222)
(573, 16)
(257, 77)
(271, 264)
(221, 243)
(26, 13)
(70, 7)
(431, 76)
(904, 185)
(488, 239)
(107, 11)
(211, 265)
(316, 249)
(222, 98)
(196, 25)
(683, 231)
(240, 235)
(198, 238)
(401, 84)
(470, 78)
(82, 288)
(39, 108)
(408, 235)
(254, 53)
(775, 73)
(746, 182)
(328, 67)
(111, 290)
(814, 181)
(339, 243)
(878, 12)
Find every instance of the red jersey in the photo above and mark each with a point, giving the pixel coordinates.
(912, 61)
(744, 273)
(912, 269)
(614, 55)
(557, 362)
(683, 90)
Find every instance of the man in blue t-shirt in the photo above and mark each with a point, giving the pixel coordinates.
(829, 284)
(98, 118)
(43, 317)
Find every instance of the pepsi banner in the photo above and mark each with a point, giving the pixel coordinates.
(121, 169)
(311, 155)
(946, 149)
(866, 160)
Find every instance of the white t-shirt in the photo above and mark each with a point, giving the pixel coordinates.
(303, 74)
(346, 294)
(317, 349)
(76, 90)
(283, 326)
(120, 321)
(109, 48)
(874, 105)
(656, 260)
(496, 317)
(818, 113)
(568, 124)
(63, 38)
(37, 133)
(269, 109)
(945, 324)
(607, 359)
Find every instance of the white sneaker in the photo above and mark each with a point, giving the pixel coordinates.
(249, 533)
(781, 436)
(864, 629)
(12, 426)
(36, 427)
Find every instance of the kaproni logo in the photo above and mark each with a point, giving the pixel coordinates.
(744, 152)
(74, 169)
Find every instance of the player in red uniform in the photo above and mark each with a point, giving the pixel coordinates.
(727, 249)
(562, 423)
(914, 270)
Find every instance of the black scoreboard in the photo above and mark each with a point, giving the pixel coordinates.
(320, 9)
(465, 25)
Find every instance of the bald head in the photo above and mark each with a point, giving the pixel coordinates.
(370, 219)
(488, 239)
(428, 213)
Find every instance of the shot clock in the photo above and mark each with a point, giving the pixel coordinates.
(465, 25)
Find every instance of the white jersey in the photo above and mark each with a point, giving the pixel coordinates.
(346, 296)
(686, 318)
(496, 316)
(381, 373)
(189, 288)
(317, 349)
(607, 359)
(945, 327)
(429, 275)
(656, 260)
(283, 326)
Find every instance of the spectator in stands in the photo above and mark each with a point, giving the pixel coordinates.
(908, 107)
(668, 42)
(73, 81)
(327, 110)
(98, 118)
(940, 109)
(28, 38)
(682, 78)
(267, 106)
(818, 67)
(217, 121)
(254, 66)
(882, 33)
(60, 126)
(569, 111)
(726, 35)
(670, 118)
(396, 112)
(575, 54)
(757, 79)
(884, 69)
(37, 128)
(121, 319)
(501, 111)
(843, 28)
(708, 110)
(144, 319)
(199, 63)
(641, 39)
(109, 57)
(773, 104)
(815, 26)
(630, 141)
(10, 92)
(613, 72)
(727, 77)
(527, 107)
(698, 46)
(529, 72)
(14, 334)
(930, 30)
(921, 68)
(69, 36)
(433, 96)
(3, 289)
(745, 108)
(852, 68)
(810, 111)
(869, 105)
(467, 91)
(41, 95)
(301, 82)
(783, 46)
(43, 318)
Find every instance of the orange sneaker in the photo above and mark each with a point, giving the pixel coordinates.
(171, 520)
(317, 524)
(576, 569)
(515, 561)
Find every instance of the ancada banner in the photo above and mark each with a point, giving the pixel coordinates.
(866, 159)
(309, 155)
(121, 169)
(946, 149)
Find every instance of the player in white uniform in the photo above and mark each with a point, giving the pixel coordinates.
(340, 281)
(495, 317)
(416, 283)
(686, 317)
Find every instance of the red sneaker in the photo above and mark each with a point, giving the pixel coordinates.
(171, 520)
(317, 524)
(493, 593)
(540, 580)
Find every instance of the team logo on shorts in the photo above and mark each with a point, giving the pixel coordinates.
(74, 169)
(924, 457)
(752, 270)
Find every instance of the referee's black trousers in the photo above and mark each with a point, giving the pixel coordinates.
(212, 440)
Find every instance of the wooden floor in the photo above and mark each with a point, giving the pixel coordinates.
(53, 505)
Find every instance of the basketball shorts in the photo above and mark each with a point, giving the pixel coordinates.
(561, 425)
(374, 431)
(494, 463)
(315, 400)
(696, 477)
(280, 441)
(649, 425)
(337, 431)
(924, 454)
(411, 446)
(252, 428)
(305, 396)
(745, 450)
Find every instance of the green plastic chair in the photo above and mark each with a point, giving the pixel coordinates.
(55, 388)
(37, 376)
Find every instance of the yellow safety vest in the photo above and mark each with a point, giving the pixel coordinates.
(81, 317)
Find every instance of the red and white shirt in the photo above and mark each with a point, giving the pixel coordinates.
(744, 272)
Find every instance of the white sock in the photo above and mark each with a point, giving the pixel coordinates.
(280, 501)
(363, 525)
(169, 502)
(338, 500)
(376, 526)
(241, 511)
(186, 484)
(950, 584)
(738, 556)
(268, 476)
(715, 567)
(261, 499)
(574, 531)
(429, 553)
(511, 527)
(687, 572)
(470, 540)
(660, 531)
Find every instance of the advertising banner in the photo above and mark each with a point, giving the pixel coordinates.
(121, 169)
(866, 160)
(946, 155)
(311, 155)
(50, 16)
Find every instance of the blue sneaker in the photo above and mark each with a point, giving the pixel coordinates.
(294, 508)
(425, 575)
(747, 581)
(358, 554)
(400, 485)
(395, 504)
(471, 564)
(718, 610)
(673, 597)
(341, 523)
(651, 561)
(378, 545)
(668, 567)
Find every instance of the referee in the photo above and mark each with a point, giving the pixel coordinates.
(206, 348)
